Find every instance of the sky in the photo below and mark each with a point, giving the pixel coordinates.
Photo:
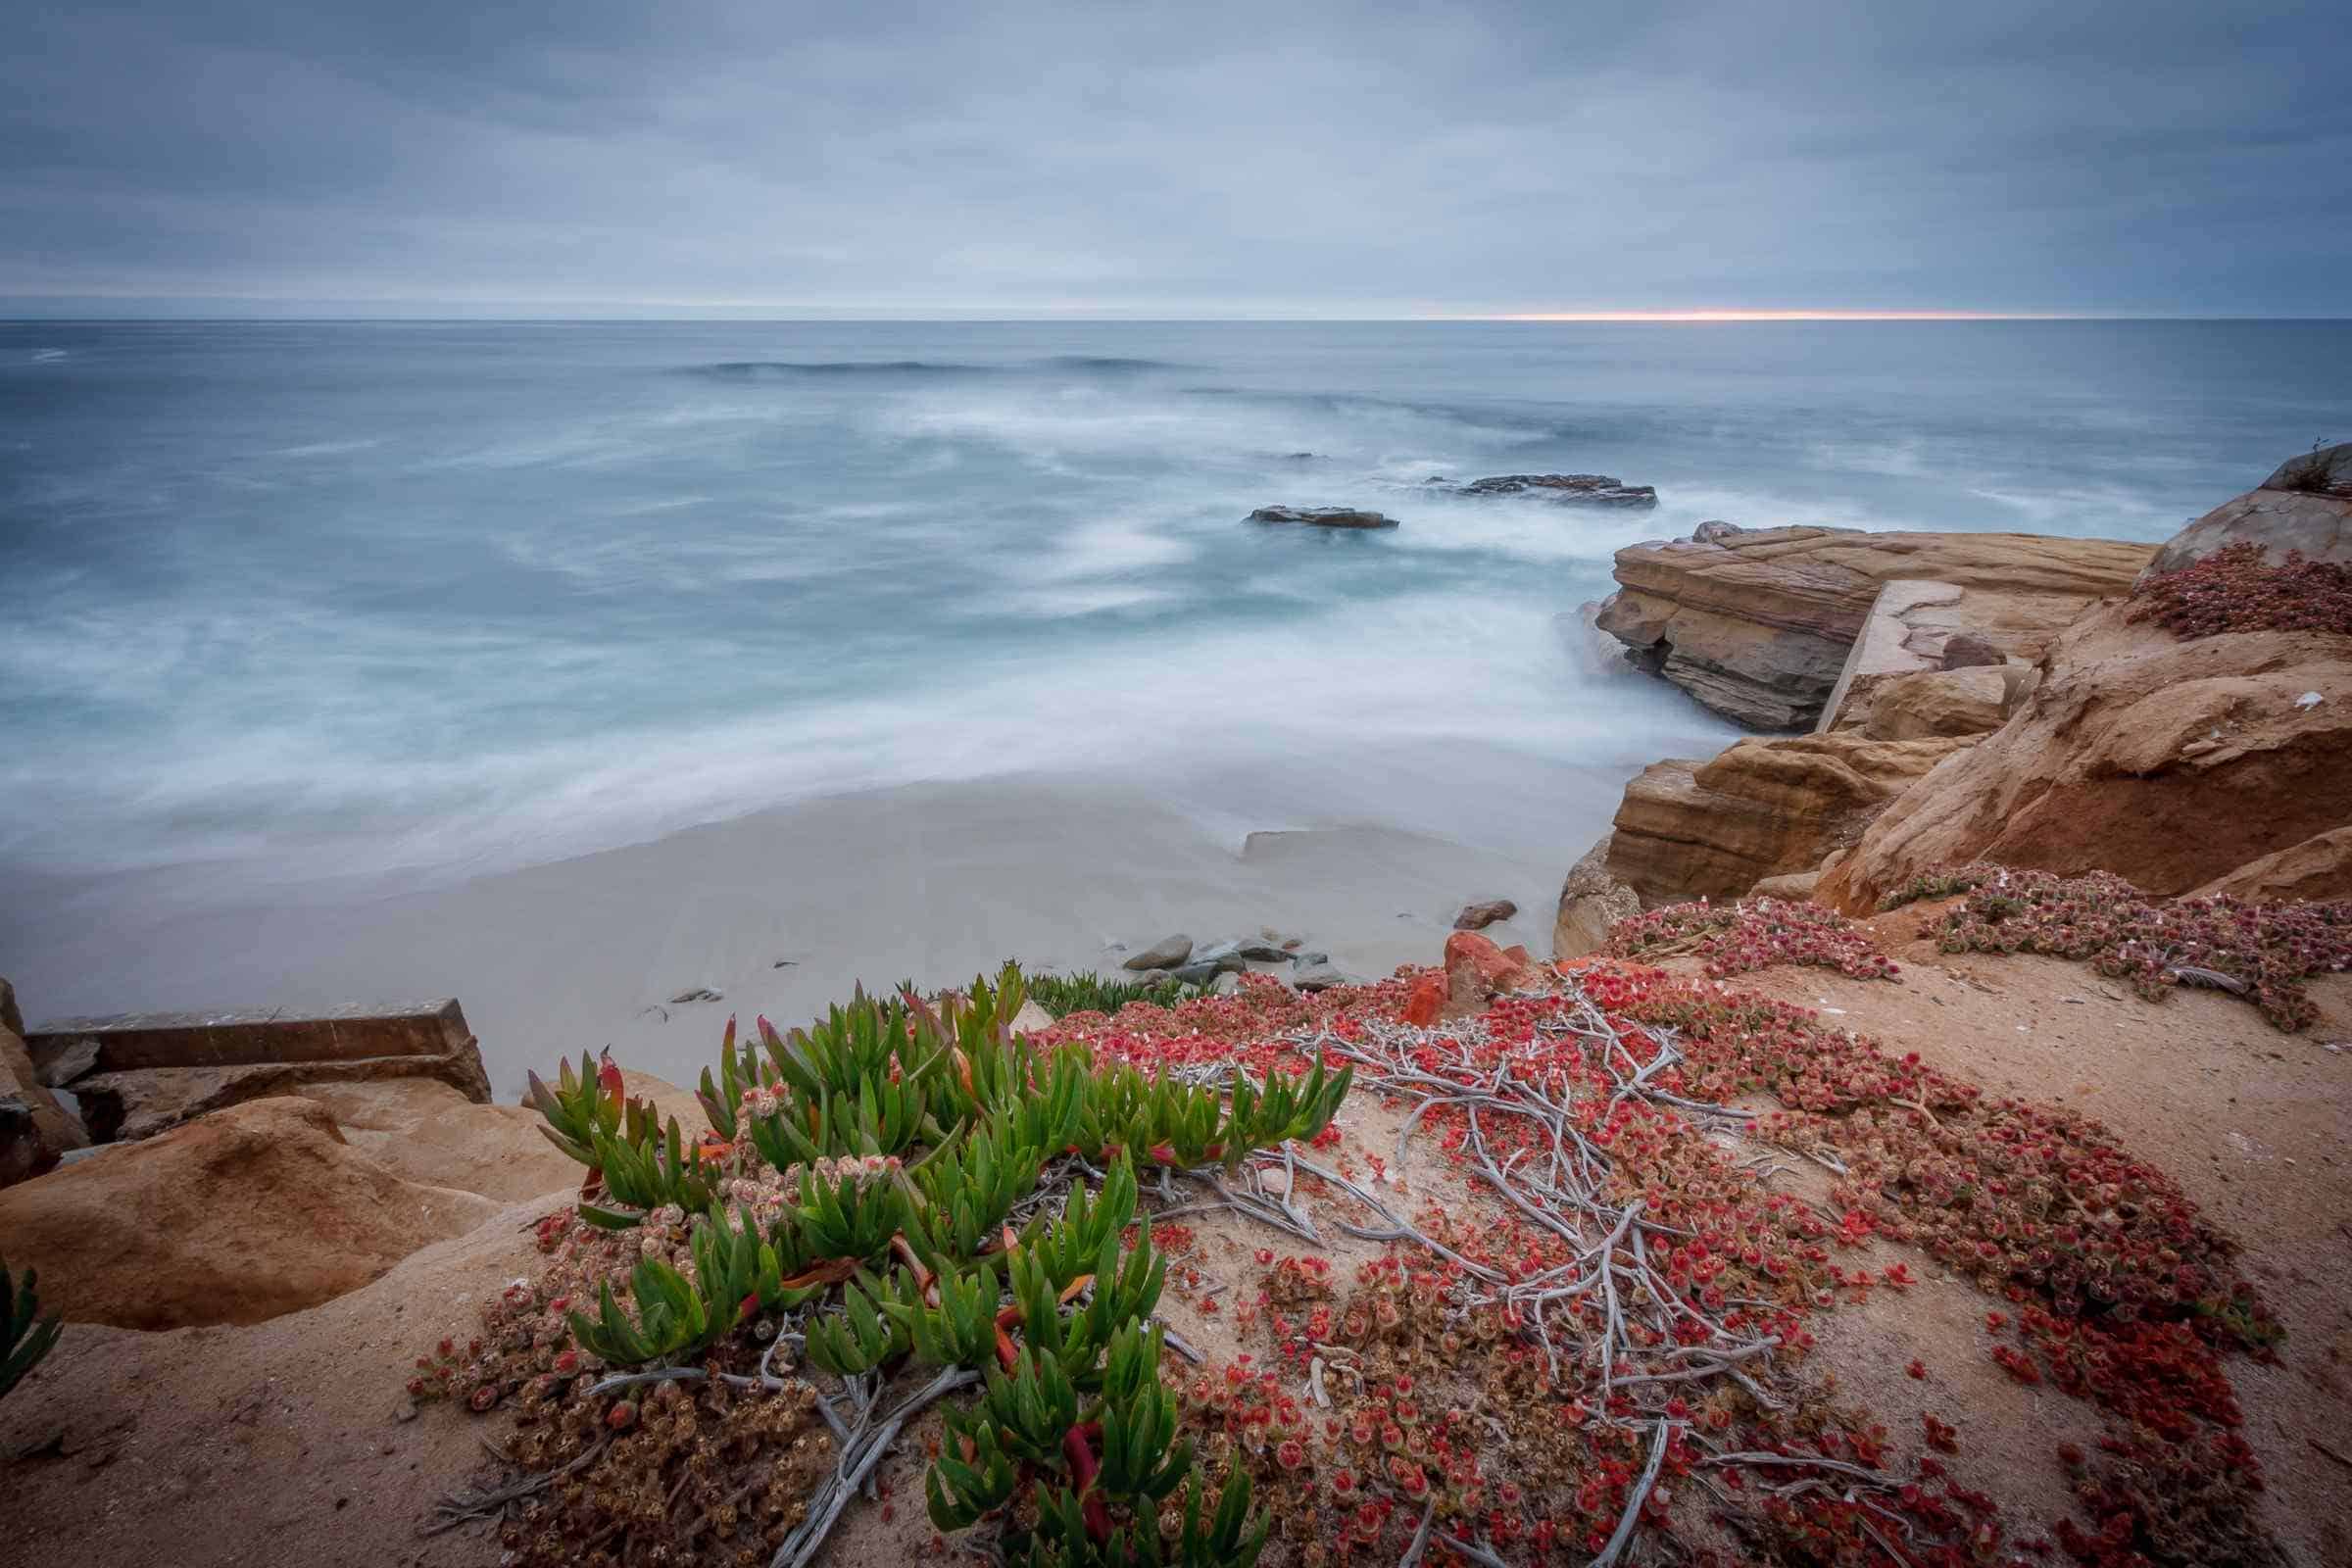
(1187, 159)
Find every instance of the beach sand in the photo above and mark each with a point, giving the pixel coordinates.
(783, 911)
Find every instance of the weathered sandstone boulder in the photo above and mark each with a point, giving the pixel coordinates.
(1762, 808)
(1794, 887)
(2306, 506)
(1970, 701)
(2171, 764)
(10, 1018)
(237, 1217)
(1324, 516)
(1758, 624)
(425, 1131)
(2317, 870)
(1591, 901)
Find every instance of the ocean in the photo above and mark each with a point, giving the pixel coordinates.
(389, 605)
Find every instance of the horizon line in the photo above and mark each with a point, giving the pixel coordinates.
(1707, 315)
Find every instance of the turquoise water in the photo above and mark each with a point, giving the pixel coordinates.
(305, 601)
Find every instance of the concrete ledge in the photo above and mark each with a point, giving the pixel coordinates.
(127, 1042)
(135, 1074)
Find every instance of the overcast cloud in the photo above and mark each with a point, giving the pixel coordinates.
(1181, 157)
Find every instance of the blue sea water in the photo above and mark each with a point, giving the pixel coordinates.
(305, 601)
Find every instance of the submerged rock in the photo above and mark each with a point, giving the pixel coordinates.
(1584, 489)
(1324, 516)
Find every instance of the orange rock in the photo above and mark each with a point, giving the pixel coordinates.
(1481, 953)
(1426, 1000)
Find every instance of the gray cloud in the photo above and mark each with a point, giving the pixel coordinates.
(1201, 159)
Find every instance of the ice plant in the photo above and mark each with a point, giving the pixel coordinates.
(1751, 934)
(2261, 951)
(2234, 590)
(24, 1335)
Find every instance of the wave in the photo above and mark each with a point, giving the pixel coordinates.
(789, 370)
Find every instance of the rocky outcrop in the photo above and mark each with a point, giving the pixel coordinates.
(1582, 489)
(1324, 516)
(2171, 764)
(237, 1217)
(1592, 900)
(36, 1129)
(2306, 506)
(1479, 916)
(1758, 624)
(1762, 808)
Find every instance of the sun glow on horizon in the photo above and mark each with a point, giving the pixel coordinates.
(1705, 316)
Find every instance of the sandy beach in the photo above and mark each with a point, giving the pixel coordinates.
(783, 911)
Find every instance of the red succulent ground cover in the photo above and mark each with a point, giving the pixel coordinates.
(1444, 1406)
(1621, 1346)
(2261, 952)
(1750, 935)
(2234, 590)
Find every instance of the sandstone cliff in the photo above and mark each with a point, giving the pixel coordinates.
(1758, 624)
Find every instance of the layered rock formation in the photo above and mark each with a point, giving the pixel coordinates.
(1762, 809)
(1758, 624)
